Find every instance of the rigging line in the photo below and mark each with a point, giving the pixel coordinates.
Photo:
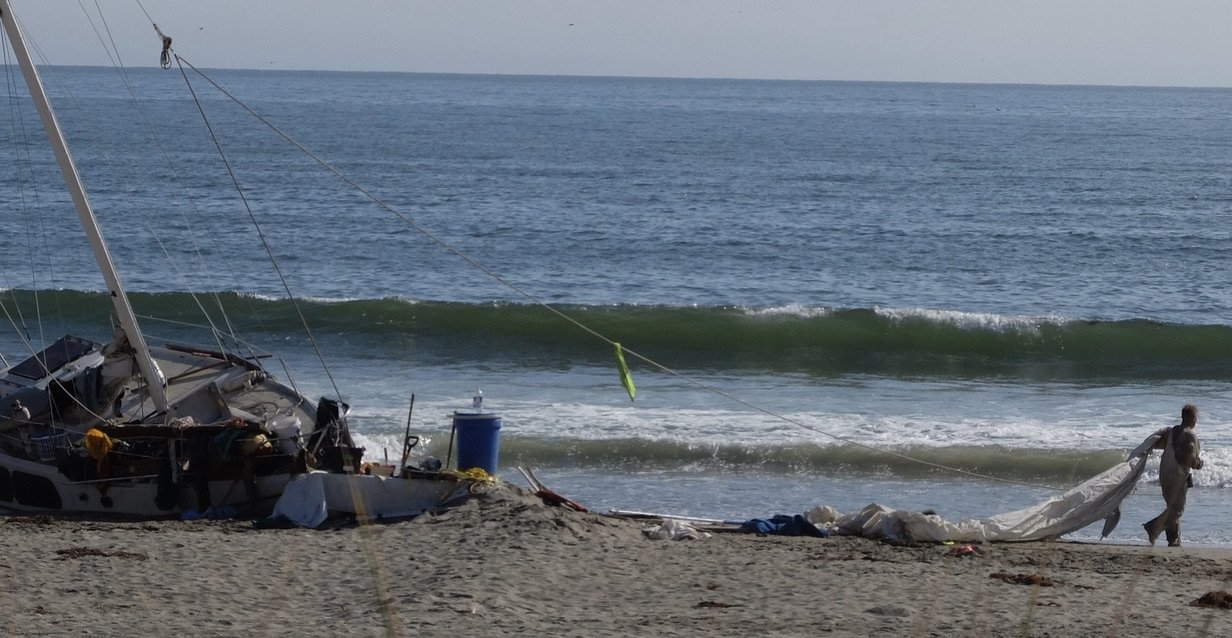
(23, 335)
(381, 203)
(535, 300)
(147, 13)
(98, 35)
(210, 320)
(42, 228)
(20, 133)
(255, 352)
(117, 62)
(261, 234)
(13, 116)
(48, 249)
(406, 219)
(230, 332)
(14, 121)
(164, 58)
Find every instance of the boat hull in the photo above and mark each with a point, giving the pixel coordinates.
(312, 498)
(34, 487)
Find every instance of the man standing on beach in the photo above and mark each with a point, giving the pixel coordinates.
(1180, 446)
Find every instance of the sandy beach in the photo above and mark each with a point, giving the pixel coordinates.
(506, 564)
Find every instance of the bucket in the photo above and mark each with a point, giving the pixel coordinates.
(286, 429)
(478, 436)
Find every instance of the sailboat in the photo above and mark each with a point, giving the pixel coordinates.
(131, 428)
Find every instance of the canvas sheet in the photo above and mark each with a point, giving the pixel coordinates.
(1098, 498)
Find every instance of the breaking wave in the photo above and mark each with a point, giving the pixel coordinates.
(1045, 467)
(790, 339)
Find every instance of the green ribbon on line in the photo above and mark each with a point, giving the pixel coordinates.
(626, 379)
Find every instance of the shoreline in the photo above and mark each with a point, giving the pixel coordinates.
(505, 564)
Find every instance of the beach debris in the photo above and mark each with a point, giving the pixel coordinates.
(695, 520)
(713, 604)
(220, 513)
(82, 552)
(675, 530)
(1023, 579)
(783, 525)
(968, 549)
(548, 496)
(1214, 599)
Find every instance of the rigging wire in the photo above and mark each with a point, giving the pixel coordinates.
(216, 334)
(261, 233)
(117, 62)
(112, 50)
(21, 133)
(576, 323)
(31, 203)
(14, 315)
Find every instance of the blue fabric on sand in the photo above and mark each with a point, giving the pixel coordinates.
(783, 525)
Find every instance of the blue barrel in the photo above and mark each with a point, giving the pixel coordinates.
(478, 436)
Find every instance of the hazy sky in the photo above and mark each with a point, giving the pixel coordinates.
(1127, 42)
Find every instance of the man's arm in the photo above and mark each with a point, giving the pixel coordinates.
(1162, 441)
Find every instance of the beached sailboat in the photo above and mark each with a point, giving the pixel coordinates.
(130, 428)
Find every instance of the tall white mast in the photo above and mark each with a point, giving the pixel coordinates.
(128, 320)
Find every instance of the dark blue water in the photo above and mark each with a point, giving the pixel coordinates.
(1081, 201)
(1022, 281)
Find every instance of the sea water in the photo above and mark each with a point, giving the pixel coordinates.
(952, 297)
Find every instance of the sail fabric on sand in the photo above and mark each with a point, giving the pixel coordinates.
(1098, 498)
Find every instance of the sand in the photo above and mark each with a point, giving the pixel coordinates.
(506, 564)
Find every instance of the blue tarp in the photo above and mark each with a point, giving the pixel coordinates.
(783, 525)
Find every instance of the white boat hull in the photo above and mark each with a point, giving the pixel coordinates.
(30, 486)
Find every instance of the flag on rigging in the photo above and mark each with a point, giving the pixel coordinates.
(626, 379)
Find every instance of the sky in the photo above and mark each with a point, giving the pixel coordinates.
(1104, 42)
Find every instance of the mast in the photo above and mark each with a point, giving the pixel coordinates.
(124, 311)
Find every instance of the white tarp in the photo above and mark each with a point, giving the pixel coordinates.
(675, 530)
(1098, 498)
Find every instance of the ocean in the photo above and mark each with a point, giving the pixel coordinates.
(820, 284)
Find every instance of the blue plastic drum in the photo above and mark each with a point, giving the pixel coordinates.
(478, 436)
